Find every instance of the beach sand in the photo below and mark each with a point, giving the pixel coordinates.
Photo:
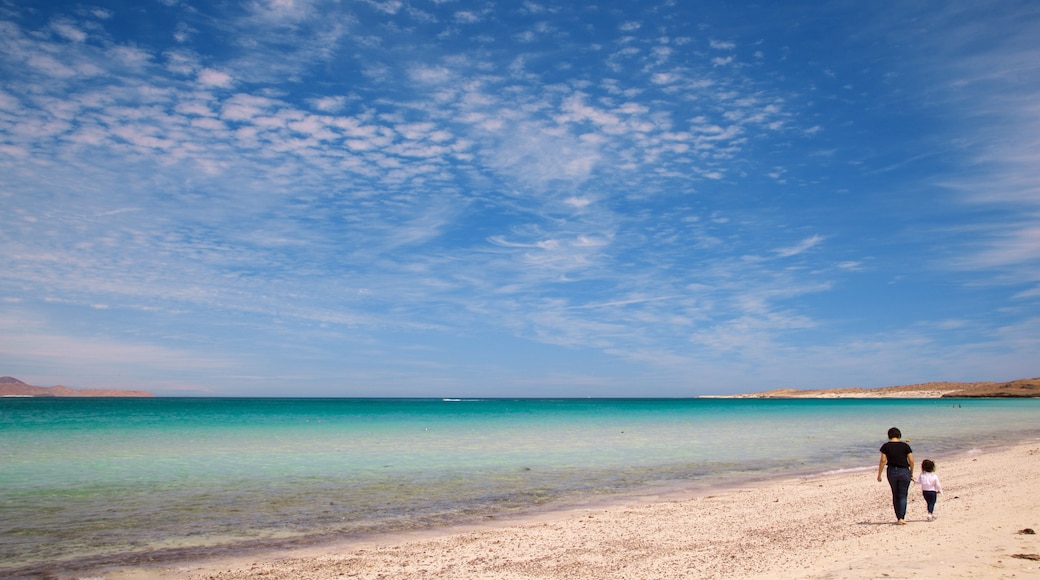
(827, 526)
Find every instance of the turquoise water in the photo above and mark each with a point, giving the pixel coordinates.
(95, 481)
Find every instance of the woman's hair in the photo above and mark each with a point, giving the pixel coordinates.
(894, 433)
(928, 465)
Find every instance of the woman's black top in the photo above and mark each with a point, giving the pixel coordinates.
(896, 452)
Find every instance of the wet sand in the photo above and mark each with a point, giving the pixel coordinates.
(826, 526)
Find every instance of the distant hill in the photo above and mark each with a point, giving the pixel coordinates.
(12, 387)
(1021, 388)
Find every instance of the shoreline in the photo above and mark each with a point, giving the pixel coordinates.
(817, 526)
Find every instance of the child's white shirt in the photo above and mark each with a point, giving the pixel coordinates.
(929, 481)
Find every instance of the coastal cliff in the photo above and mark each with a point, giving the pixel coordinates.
(12, 387)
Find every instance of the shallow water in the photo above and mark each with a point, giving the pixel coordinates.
(114, 480)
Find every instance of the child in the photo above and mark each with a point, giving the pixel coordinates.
(930, 485)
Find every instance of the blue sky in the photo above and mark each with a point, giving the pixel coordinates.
(456, 198)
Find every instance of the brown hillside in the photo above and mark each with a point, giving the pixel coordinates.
(1021, 388)
(12, 387)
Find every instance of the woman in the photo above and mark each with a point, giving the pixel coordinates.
(900, 460)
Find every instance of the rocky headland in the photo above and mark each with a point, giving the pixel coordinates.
(12, 387)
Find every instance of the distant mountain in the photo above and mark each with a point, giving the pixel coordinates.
(12, 387)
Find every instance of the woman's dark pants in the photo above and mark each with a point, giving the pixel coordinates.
(899, 479)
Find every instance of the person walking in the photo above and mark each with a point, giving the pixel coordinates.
(899, 458)
(930, 486)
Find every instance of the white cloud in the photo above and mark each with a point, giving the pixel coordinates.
(56, 348)
(664, 78)
(1028, 294)
(1016, 244)
(388, 6)
(800, 247)
(282, 11)
(50, 66)
(213, 78)
(69, 31)
(8, 102)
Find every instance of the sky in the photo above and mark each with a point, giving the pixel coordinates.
(439, 198)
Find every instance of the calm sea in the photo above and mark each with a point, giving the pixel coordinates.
(86, 482)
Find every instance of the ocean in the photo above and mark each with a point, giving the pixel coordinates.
(93, 482)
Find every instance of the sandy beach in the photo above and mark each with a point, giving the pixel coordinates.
(826, 526)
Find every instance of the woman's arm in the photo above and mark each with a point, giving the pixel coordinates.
(881, 466)
(910, 462)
